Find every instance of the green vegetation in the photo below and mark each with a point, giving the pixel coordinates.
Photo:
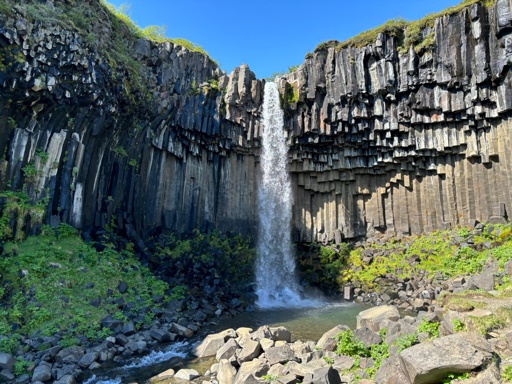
(455, 376)
(410, 34)
(114, 46)
(458, 325)
(405, 341)
(507, 373)
(269, 378)
(349, 345)
(432, 254)
(55, 283)
(229, 254)
(17, 209)
(431, 328)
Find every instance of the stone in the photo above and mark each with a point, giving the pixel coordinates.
(367, 336)
(281, 354)
(68, 379)
(187, 374)
(371, 318)
(6, 361)
(42, 373)
(181, 330)
(6, 375)
(226, 373)
(390, 372)
(160, 335)
(122, 287)
(255, 367)
(164, 376)
(88, 359)
(70, 355)
(281, 334)
(266, 343)
(212, 343)
(250, 351)
(128, 328)
(228, 350)
(429, 362)
(328, 340)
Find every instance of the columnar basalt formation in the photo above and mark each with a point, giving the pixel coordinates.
(381, 140)
(172, 154)
(384, 141)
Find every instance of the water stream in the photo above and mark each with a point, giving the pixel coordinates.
(303, 323)
(276, 279)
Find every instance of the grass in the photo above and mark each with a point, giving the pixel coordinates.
(49, 283)
(409, 34)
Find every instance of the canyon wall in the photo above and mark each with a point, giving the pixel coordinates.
(159, 138)
(150, 142)
(384, 141)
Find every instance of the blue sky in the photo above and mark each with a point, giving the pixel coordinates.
(271, 35)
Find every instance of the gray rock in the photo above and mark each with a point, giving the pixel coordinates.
(187, 374)
(6, 361)
(429, 362)
(251, 350)
(228, 350)
(182, 331)
(281, 354)
(367, 336)
(255, 367)
(212, 343)
(328, 340)
(42, 373)
(371, 318)
(6, 375)
(390, 372)
(281, 333)
(70, 355)
(88, 359)
(226, 373)
(68, 379)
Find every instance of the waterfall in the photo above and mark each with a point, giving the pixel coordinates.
(275, 266)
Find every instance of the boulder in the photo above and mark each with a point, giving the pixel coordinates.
(42, 373)
(281, 354)
(281, 334)
(88, 359)
(164, 376)
(226, 373)
(228, 350)
(187, 374)
(6, 376)
(367, 336)
(251, 350)
(68, 379)
(255, 367)
(371, 318)
(181, 330)
(70, 355)
(328, 340)
(429, 362)
(6, 361)
(390, 372)
(212, 343)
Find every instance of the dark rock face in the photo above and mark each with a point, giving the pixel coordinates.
(382, 141)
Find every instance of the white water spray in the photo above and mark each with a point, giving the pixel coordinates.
(275, 266)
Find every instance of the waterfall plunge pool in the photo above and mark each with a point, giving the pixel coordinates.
(303, 323)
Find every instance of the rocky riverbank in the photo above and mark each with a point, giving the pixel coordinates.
(441, 346)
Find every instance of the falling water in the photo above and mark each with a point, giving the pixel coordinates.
(275, 267)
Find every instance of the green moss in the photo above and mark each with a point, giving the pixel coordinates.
(408, 33)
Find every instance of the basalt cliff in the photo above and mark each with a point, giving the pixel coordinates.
(107, 128)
